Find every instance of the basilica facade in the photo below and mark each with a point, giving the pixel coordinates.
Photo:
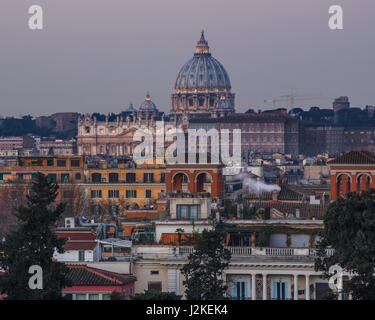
(202, 89)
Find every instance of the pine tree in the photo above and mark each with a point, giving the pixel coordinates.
(34, 243)
(204, 270)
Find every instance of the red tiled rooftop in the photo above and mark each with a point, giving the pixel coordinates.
(82, 275)
(355, 157)
(80, 245)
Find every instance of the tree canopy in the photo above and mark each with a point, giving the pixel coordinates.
(349, 228)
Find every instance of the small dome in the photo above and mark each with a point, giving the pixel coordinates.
(131, 109)
(223, 103)
(147, 105)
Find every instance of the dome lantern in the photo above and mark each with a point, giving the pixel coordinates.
(202, 45)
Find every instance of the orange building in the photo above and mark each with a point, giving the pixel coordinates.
(195, 178)
(62, 169)
(352, 172)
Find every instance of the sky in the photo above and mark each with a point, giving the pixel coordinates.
(99, 55)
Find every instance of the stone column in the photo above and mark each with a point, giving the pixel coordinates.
(296, 287)
(339, 287)
(350, 293)
(307, 290)
(264, 286)
(253, 286)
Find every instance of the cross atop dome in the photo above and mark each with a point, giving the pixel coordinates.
(202, 45)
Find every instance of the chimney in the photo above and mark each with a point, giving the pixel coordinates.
(285, 178)
(278, 182)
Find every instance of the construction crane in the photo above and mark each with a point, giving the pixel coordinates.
(291, 98)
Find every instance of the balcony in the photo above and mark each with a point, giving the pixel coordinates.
(259, 251)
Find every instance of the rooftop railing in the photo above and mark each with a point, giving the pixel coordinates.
(262, 251)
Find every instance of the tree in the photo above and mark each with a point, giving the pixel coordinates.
(34, 243)
(349, 228)
(203, 272)
(116, 295)
(12, 195)
(155, 295)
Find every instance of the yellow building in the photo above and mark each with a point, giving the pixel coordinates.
(101, 189)
(133, 189)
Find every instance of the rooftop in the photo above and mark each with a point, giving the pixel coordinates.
(82, 275)
(355, 157)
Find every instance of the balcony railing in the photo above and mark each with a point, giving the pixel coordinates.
(261, 251)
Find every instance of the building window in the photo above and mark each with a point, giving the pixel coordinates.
(78, 176)
(74, 163)
(113, 177)
(81, 256)
(81, 296)
(96, 177)
(61, 163)
(131, 193)
(65, 177)
(162, 177)
(280, 290)
(154, 272)
(95, 209)
(240, 290)
(113, 194)
(130, 177)
(148, 177)
(96, 193)
(93, 296)
(52, 177)
(188, 211)
(148, 193)
(152, 285)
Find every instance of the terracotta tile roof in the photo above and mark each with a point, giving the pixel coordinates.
(355, 157)
(82, 275)
(77, 239)
(80, 245)
(76, 234)
(306, 209)
(287, 193)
